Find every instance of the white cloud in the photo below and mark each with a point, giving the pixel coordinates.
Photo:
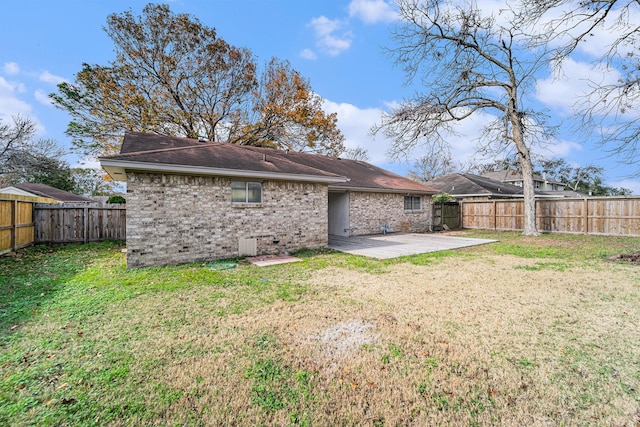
(47, 77)
(619, 20)
(308, 54)
(10, 104)
(629, 184)
(11, 68)
(327, 40)
(567, 91)
(372, 11)
(42, 97)
(558, 148)
(355, 124)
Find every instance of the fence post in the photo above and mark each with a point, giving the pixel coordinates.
(585, 221)
(495, 215)
(14, 226)
(85, 227)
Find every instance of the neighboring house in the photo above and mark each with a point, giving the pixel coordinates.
(44, 191)
(466, 186)
(540, 182)
(189, 200)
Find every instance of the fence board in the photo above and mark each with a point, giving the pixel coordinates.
(16, 224)
(604, 215)
(73, 223)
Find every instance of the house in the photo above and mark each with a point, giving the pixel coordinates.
(540, 182)
(189, 200)
(44, 192)
(466, 186)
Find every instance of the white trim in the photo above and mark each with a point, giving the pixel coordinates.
(18, 192)
(117, 169)
(406, 192)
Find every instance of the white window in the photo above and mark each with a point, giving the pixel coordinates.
(246, 192)
(412, 203)
(538, 185)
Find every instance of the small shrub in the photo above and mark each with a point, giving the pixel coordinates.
(443, 197)
(116, 199)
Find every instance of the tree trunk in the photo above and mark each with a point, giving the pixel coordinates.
(528, 187)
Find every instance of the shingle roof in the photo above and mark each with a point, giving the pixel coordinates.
(44, 190)
(162, 152)
(470, 184)
(511, 175)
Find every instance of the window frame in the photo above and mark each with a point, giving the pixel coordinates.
(247, 192)
(412, 198)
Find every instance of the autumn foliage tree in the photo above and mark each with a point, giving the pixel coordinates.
(174, 76)
(288, 114)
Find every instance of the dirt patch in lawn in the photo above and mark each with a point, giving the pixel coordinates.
(633, 258)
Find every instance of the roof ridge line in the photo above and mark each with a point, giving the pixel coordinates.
(163, 150)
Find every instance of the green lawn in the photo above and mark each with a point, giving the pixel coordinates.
(527, 331)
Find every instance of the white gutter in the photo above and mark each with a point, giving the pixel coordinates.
(117, 170)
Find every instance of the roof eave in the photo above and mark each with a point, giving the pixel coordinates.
(380, 190)
(117, 170)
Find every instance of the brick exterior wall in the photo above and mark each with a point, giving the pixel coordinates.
(173, 219)
(368, 212)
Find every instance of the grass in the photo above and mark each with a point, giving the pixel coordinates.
(531, 331)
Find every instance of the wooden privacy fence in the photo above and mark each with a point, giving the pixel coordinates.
(77, 223)
(446, 214)
(610, 215)
(16, 224)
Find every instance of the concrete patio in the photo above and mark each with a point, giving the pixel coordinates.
(393, 245)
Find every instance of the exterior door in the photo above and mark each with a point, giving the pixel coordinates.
(339, 214)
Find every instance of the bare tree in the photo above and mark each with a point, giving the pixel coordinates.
(358, 153)
(467, 63)
(430, 166)
(612, 107)
(15, 136)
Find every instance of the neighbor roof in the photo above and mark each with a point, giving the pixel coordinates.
(512, 175)
(148, 152)
(469, 185)
(44, 190)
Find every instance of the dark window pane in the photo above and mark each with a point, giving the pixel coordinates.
(238, 192)
(407, 203)
(254, 192)
(416, 203)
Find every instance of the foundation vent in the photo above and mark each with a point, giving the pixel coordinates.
(247, 246)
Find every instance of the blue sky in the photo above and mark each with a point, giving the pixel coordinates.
(336, 44)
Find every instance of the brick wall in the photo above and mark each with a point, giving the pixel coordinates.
(174, 219)
(368, 212)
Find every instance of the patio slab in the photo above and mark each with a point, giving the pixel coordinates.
(265, 260)
(393, 245)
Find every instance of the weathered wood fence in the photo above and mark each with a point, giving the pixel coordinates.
(16, 224)
(77, 223)
(597, 215)
(25, 221)
(446, 214)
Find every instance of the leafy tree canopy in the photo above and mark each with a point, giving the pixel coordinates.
(174, 76)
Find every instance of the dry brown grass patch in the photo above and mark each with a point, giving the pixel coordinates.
(459, 343)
